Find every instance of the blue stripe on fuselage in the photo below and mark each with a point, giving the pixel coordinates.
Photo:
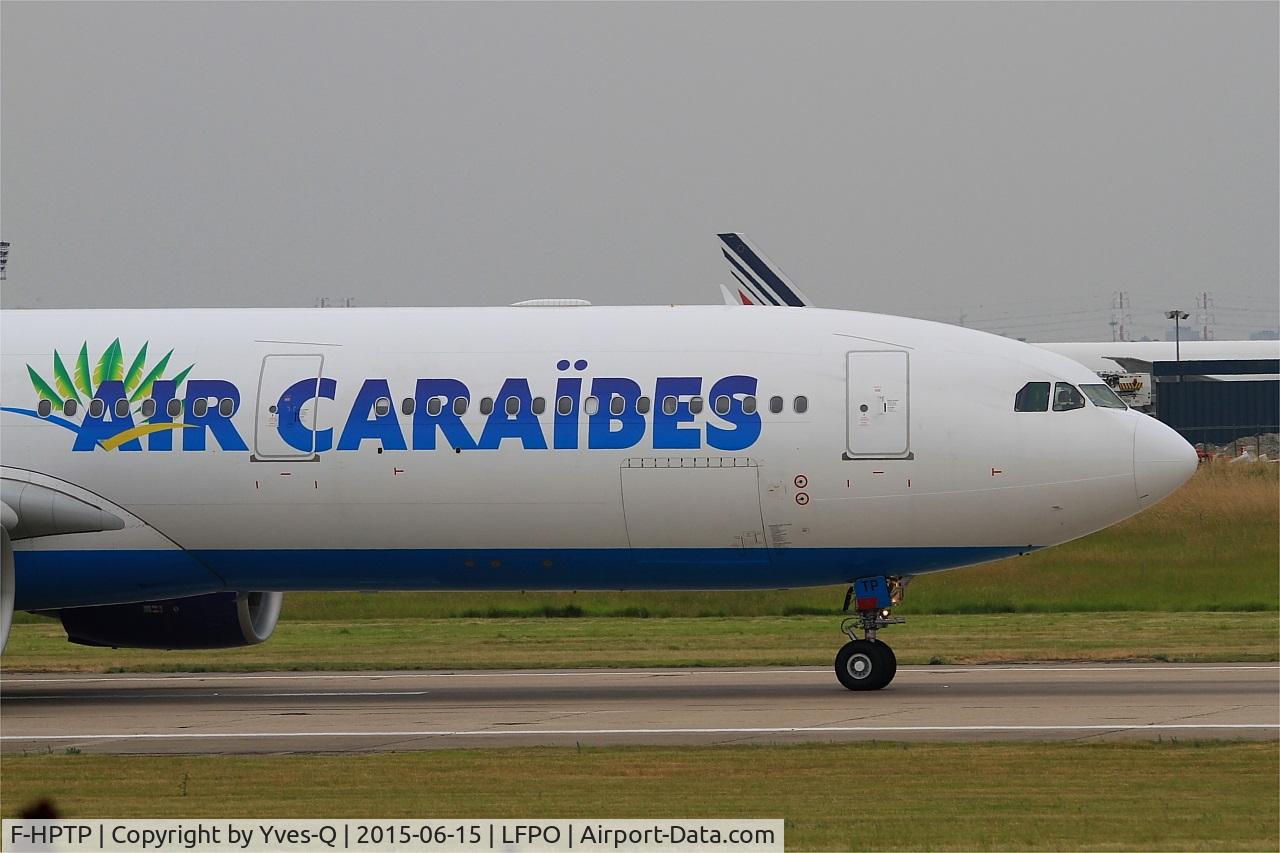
(52, 579)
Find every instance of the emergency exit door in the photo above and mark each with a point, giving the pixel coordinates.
(287, 397)
(879, 416)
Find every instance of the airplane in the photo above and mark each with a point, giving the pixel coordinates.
(759, 281)
(1138, 356)
(167, 475)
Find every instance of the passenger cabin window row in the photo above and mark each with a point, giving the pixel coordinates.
(721, 405)
(617, 405)
(146, 408)
(1034, 397)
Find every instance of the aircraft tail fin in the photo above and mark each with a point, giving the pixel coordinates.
(759, 281)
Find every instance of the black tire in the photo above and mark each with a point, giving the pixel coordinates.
(863, 665)
(890, 661)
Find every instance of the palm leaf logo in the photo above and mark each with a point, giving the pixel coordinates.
(134, 373)
(78, 383)
(62, 379)
(44, 389)
(110, 366)
(82, 371)
(144, 387)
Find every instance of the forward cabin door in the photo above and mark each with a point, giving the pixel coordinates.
(287, 390)
(879, 405)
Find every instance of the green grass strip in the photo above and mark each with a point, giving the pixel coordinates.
(918, 796)
(617, 642)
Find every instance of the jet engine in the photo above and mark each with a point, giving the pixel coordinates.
(6, 585)
(219, 620)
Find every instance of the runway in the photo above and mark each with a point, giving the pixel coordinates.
(395, 711)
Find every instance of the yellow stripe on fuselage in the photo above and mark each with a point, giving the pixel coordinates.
(130, 434)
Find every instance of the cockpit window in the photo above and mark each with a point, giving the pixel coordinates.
(1034, 397)
(1067, 397)
(1103, 397)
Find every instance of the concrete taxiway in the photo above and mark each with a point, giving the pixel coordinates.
(386, 711)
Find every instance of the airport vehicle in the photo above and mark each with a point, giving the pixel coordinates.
(169, 474)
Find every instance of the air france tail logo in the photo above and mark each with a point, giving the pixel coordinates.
(128, 405)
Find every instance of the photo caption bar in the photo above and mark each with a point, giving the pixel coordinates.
(244, 835)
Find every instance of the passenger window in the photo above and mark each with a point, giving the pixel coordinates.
(148, 407)
(721, 405)
(69, 408)
(96, 408)
(381, 406)
(459, 406)
(1066, 397)
(591, 405)
(434, 406)
(801, 405)
(1103, 397)
(407, 405)
(695, 405)
(539, 405)
(642, 405)
(44, 408)
(486, 405)
(512, 406)
(173, 407)
(1034, 397)
(564, 405)
(775, 404)
(749, 405)
(200, 407)
(617, 405)
(121, 408)
(226, 406)
(669, 405)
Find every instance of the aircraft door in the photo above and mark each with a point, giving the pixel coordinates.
(287, 402)
(879, 410)
(694, 510)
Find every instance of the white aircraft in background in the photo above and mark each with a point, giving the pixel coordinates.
(1138, 356)
(168, 474)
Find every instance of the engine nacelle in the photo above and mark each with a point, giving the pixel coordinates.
(219, 620)
(6, 582)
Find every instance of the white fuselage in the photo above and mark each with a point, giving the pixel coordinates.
(307, 480)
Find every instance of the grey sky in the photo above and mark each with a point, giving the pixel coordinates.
(1019, 162)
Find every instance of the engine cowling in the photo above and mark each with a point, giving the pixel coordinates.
(6, 584)
(219, 620)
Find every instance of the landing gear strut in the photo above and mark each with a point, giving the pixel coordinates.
(868, 663)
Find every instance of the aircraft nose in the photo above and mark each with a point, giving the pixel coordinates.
(1162, 460)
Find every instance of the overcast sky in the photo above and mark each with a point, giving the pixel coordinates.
(1019, 163)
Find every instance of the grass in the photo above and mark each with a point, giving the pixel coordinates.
(1214, 545)
(614, 642)
(1114, 796)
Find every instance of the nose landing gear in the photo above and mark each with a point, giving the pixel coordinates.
(868, 663)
